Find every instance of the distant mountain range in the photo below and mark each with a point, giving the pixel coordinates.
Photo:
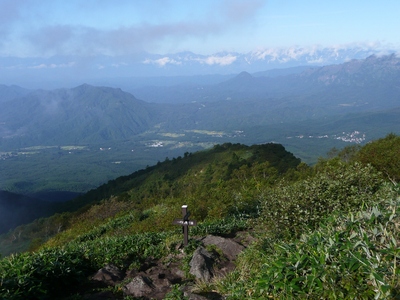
(87, 114)
(69, 140)
(84, 114)
(69, 71)
(375, 74)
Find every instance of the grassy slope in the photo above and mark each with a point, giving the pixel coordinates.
(317, 238)
(190, 179)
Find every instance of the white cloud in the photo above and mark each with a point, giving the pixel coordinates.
(41, 66)
(209, 60)
(241, 10)
(260, 54)
(319, 60)
(317, 54)
(218, 60)
(31, 29)
(117, 65)
(53, 66)
(162, 61)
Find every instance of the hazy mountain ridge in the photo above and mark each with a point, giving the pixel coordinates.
(371, 71)
(353, 87)
(82, 137)
(88, 114)
(18, 209)
(11, 92)
(70, 71)
(375, 73)
(80, 115)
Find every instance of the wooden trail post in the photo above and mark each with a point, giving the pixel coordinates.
(185, 223)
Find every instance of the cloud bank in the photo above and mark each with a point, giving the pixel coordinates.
(31, 37)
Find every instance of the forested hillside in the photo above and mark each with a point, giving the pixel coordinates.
(324, 232)
(190, 179)
(72, 140)
(84, 114)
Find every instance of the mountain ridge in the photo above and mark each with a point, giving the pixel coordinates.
(18, 209)
(57, 71)
(80, 115)
(108, 132)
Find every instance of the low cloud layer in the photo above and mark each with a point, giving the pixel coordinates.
(58, 38)
(218, 60)
(221, 60)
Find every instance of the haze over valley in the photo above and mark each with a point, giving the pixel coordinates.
(84, 136)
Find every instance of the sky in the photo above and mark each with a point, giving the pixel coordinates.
(45, 28)
(59, 43)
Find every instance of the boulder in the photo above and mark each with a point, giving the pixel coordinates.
(190, 295)
(109, 275)
(140, 286)
(230, 248)
(201, 265)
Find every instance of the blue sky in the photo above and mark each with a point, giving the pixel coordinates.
(45, 28)
(62, 43)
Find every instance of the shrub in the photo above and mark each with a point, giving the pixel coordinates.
(349, 257)
(383, 154)
(290, 208)
(51, 272)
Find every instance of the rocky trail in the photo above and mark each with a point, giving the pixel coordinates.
(214, 256)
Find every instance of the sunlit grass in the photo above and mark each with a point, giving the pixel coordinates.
(39, 147)
(171, 134)
(207, 132)
(69, 148)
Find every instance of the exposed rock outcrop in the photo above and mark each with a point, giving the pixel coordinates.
(109, 275)
(154, 278)
(202, 263)
(139, 286)
(230, 248)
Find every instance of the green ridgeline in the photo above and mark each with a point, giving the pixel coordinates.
(329, 231)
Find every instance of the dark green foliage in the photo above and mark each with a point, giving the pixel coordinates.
(384, 155)
(51, 272)
(42, 275)
(54, 271)
(330, 231)
(337, 186)
(276, 155)
(348, 257)
(347, 154)
(214, 183)
(221, 161)
(224, 227)
(175, 294)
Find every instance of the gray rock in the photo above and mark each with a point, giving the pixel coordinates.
(109, 275)
(201, 265)
(140, 286)
(191, 296)
(230, 248)
(188, 294)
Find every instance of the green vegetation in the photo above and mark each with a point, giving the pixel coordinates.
(351, 256)
(41, 171)
(324, 232)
